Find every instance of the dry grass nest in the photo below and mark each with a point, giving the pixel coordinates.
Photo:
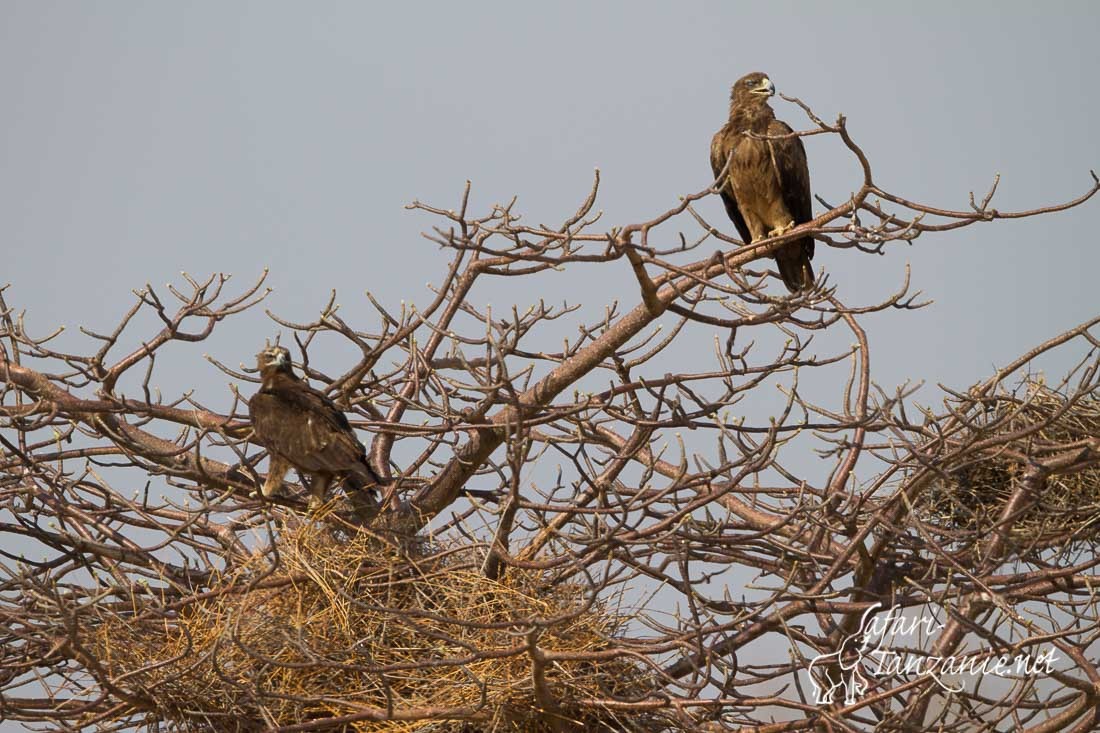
(1036, 422)
(352, 626)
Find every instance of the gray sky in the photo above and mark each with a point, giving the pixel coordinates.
(142, 139)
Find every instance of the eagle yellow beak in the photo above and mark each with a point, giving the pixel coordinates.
(765, 87)
(273, 356)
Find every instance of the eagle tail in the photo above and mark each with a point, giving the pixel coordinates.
(795, 269)
(363, 478)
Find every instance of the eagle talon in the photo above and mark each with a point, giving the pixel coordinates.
(781, 230)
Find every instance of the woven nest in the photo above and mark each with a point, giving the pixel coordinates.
(306, 641)
(1066, 510)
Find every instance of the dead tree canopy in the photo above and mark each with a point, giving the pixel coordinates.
(574, 534)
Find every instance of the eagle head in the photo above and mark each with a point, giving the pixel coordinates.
(273, 358)
(754, 88)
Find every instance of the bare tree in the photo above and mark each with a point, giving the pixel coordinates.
(579, 536)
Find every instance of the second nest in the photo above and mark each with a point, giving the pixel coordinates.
(1032, 424)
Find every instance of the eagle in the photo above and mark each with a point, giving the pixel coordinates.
(303, 429)
(766, 185)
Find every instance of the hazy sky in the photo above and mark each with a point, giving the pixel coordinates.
(142, 139)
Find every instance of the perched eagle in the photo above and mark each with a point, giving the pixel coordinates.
(766, 188)
(302, 428)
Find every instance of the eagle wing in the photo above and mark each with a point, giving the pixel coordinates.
(794, 179)
(305, 427)
(721, 148)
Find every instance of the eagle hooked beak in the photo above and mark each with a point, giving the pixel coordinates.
(274, 356)
(765, 87)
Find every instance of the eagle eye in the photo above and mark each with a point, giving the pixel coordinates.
(750, 82)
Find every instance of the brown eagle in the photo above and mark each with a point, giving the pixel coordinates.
(302, 428)
(766, 188)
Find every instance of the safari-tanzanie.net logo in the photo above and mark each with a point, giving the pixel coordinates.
(891, 644)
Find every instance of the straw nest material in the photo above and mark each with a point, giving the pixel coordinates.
(352, 625)
(1036, 423)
